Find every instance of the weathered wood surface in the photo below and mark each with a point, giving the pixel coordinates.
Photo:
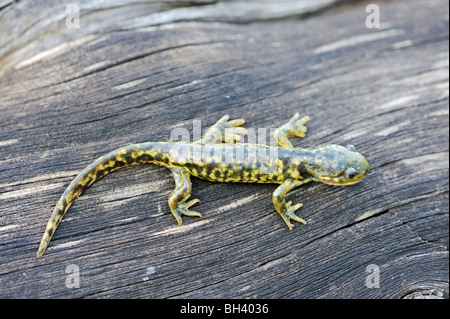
(134, 71)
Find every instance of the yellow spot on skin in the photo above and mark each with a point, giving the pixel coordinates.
(255, 172)
(295, 174)
(119, 155)
(152, 153)
(84, 181)
(223, 168)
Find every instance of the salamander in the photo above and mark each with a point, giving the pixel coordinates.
(228, 161)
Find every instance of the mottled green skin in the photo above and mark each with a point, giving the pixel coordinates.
(225, 162)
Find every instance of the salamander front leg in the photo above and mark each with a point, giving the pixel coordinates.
(295, 126)
(287, 210)
(177, 199)
(227, 131)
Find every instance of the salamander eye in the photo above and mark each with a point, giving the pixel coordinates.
(351, 148)
(350, 172)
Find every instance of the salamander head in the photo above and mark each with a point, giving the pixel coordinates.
(336, 165)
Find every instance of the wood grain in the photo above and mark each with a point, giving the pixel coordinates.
(69, 96)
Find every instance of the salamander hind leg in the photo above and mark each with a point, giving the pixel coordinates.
(224, 130)
(295, 126)
(178, 198)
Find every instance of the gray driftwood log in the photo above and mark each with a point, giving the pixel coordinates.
(134, 71)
